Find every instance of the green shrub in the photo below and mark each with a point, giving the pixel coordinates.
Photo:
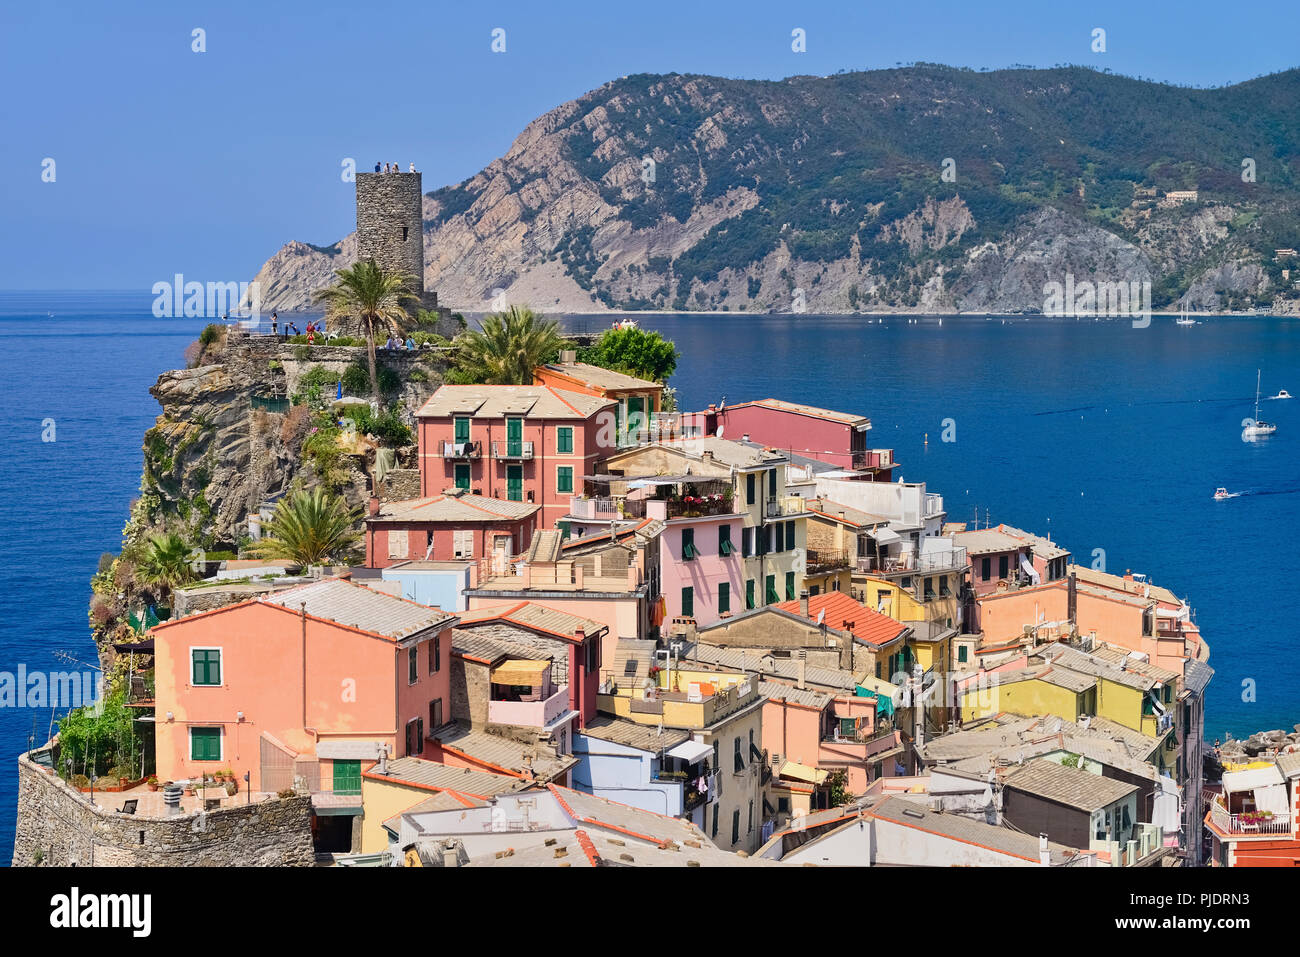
(356, 380)
(387, 427)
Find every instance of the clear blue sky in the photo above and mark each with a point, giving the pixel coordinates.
(205, 163)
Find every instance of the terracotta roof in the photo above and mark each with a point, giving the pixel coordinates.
(1120, 583)
(433, 776)
(503, 754)
(592, 811)
(798, 408)
(458, 509)
(869, 626)
(643, 737)
(844, 514)
(985, 541)
(596, 377)
(497, 401)
(534, 617)
(899, 810)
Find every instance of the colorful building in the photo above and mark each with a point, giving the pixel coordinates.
(455, 525)
(1252, 821)
(638, 399)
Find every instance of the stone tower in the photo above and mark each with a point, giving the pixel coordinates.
(390, 223)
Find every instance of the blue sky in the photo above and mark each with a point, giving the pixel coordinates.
(168, 161)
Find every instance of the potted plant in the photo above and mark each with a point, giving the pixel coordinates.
(152, 782)
(189, 788)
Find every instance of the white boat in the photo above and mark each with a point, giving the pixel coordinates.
(1256, 428)
(1221, 493)
(1283, 394)
(1185, 319)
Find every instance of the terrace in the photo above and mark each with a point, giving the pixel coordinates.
(953, 559)
(708, 697)
(461, 450)
(523, 694)
(522, 451)
(1255, 802)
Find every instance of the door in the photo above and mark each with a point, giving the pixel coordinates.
(500, 554)
(514, 437)
(347, 777)
(515, 483)
(462, 477)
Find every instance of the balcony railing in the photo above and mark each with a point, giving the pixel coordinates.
(607, 508)
(931, 562)
(1250, 823)
(698, 505)
(820, 560)
(790, 505)
(530, 714)
(512, 450)
(461, 450)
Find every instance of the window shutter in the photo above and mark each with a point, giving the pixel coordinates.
(688, 602)
(724, 597)
(398, 543)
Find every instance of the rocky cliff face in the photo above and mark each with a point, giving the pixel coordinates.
(917, 189)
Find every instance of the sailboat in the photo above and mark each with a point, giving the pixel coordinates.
(1257, 428)
(1185, 319)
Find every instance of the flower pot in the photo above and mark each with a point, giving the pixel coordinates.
(153, 785)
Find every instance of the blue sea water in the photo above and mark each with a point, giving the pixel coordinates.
(1105, 436)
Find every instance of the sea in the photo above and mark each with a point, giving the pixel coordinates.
(1109, 438)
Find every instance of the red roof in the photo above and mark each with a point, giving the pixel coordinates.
(869, 626)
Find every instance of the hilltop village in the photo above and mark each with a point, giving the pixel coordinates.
(593, 630)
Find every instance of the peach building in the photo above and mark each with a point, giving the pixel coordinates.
(311, 682)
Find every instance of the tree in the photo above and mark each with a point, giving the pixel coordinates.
(309, 528)
(507, 347)
(839, 781)
(376, 297)
(166, 562)
(646, 355)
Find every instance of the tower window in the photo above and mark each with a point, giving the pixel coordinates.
(404, 231)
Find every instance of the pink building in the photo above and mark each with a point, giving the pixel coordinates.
(309, 682)
(456, 526)
(530, 444)
(837, 438)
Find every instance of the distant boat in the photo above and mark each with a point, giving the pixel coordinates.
(1185, 319)
(1283, 394)
(1221, 493)
(1256, 427)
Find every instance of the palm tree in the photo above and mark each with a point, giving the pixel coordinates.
(376, 297)
(309, 528)
(508, 347)
(167, 562)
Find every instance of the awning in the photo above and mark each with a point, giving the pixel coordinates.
(1248, 780)
(1027, 567)
(520, 672)
(690, 751)
(1272, 798)
(801, 772)
(884, 536)
(135, 648)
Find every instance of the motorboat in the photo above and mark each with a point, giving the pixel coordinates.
(1221, 493)
(1283, 394)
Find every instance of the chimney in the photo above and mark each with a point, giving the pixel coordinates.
(633, 577)
(1044, 855)
(706, 455)
(451, 854)
(1128, 574)
(803, 669)
(568, 357)
(578, 576)
(803, 603)
(374, 506)
(383, 759)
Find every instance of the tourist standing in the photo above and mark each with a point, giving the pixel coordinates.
(412, 168)
(376, 166)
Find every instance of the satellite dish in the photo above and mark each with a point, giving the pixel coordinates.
(821, 617)
(719, 431)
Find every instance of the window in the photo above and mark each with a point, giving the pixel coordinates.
(462, 430)
(462, 543)
(778, 536)
(746, 542)
(771, 483)
(944, 590)
(749, 489)
(435, 714)
(783, 805)
(735, 826)
(1002, 566)
(985, 568)
(206, 666)
(688, 602)
(962, 653)
(399, 543)
(592, 655)
(689, 551)
(770, 595)
(415, 736)
(751, 817)
(724, 597)
(412, 664)
(564, 479)
(740, 757)
(515, 483)
(205, 744)
(814, 590)
(435, 656)
(749, 593)
(717, 811)
(724, 540)
(763, 539)
(462, 477)
(564, 440)
(929, 588)
(717, 761)
(789, 536)
(789, 587)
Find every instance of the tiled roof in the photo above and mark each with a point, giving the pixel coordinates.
(1083, 663)
(453, 508)
(434, 776)
(496, 401)
(844, 514)
(503, 753)
(1073, 787)
(1289, 764)
(360, 607)
(760, 661)
(1123, 657)
(986, 540)
(487, 649)
(798, 408)
(545, 546)
(1120, 583)
(1196, 675)
(869, 626)
(591, 811)
(806, 697)
(596, 377)
(441, 801)
(1042, 547)
(643, 737)
(724, 451)
(592, 847)
(535, 617)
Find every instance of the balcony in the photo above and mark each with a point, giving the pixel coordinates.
(609, 508)
(507, 451)
(1248, 823)
(697, 506)
(823, 560)
(140, 692)
(789, 505)
(530, 714)
(872, 459)
(907, 564)
(461, 450)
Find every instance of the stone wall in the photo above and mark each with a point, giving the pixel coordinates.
(553, 648)
(390, 222)
(188, 601)
(58, 825)
(400, 485)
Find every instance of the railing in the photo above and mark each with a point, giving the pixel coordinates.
(1249, 823)
(822, 560)
(698, 505)
(948, 560)
(790, 505)
(512, 450)
(530, 714)
(461, 450)
(609, 507)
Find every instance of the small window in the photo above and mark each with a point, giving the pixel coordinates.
(717, 758)
(412, 665)
(435, 714)
(771, 483)
(746, 542)
(789, 587)
(1002, 566)
(564, 440)
(564, 478)
(724, 597)
(771, 597)
(717, 812)
(435, 656)
(962, 653)
(724, 540)
(689, 551)
(688, 602)
(205, 744)
(415, 736)
(740, 757)
(207, 666)
(751, 817)
(986, 568)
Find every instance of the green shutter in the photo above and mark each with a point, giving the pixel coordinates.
(462, 431)
(749, 488)
(462, 476)
(724, 540)
(206, 666)
(515, 483)
(789, 586)
(205, 744)
(564, 478)
(724, 597)
(688, 602)
(514, 437)
(347, 777)
(564, 440)
(689, 550)
(770, 591)
(749, 593)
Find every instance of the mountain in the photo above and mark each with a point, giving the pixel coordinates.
(913, 189)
